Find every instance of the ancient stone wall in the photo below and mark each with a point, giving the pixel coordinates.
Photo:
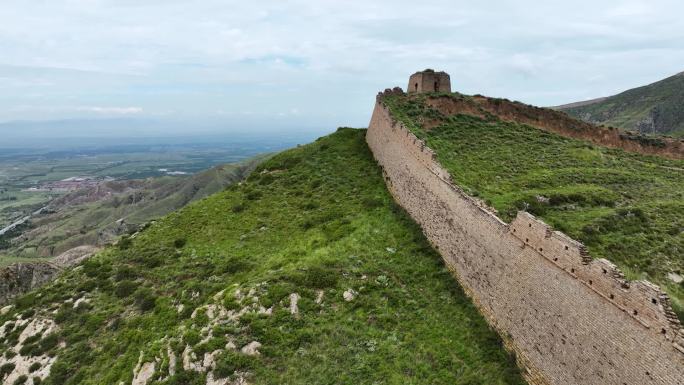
(559, 123)
(570, 319)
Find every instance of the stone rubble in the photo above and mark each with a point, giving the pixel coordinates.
(294, 298)
(143, 372)
(251, 349)
(349, 295)
(319, 296)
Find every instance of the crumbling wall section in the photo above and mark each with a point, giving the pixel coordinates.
(559, 123)
(570, 319)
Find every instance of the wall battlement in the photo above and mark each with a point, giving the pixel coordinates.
(570, 319)
(641, 300)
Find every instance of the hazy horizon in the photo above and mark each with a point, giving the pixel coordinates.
(82, 133)
(219, 68)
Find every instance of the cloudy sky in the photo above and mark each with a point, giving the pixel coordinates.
(317, 63)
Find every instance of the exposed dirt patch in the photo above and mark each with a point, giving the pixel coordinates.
(453, 106)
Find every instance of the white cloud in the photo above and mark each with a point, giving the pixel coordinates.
(110, 110)
(632, 9)
(97, 110)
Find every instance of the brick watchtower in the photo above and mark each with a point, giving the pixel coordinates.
(429, 81)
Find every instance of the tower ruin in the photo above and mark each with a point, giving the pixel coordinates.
(429, 81)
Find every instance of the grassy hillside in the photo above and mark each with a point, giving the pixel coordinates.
(309, 257)
(98, 215)
(652, 109)
(625, 207)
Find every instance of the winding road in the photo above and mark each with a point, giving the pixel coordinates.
(20, 221)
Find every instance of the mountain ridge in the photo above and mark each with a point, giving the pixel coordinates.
(654, 109)
(580, 104)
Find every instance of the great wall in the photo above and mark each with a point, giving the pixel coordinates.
(569, 319)
(560, 123)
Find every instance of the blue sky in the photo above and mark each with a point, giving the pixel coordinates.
(317, 63)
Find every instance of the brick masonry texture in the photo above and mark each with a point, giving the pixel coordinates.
(569, 319)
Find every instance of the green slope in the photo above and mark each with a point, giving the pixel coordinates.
(626, 207)
(657, 108)
(316, 221)
(92, 216)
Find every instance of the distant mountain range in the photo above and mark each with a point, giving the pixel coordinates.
(657, 108)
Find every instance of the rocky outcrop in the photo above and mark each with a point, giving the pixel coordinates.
(23, 277)
(75, 256)
(19, 278)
